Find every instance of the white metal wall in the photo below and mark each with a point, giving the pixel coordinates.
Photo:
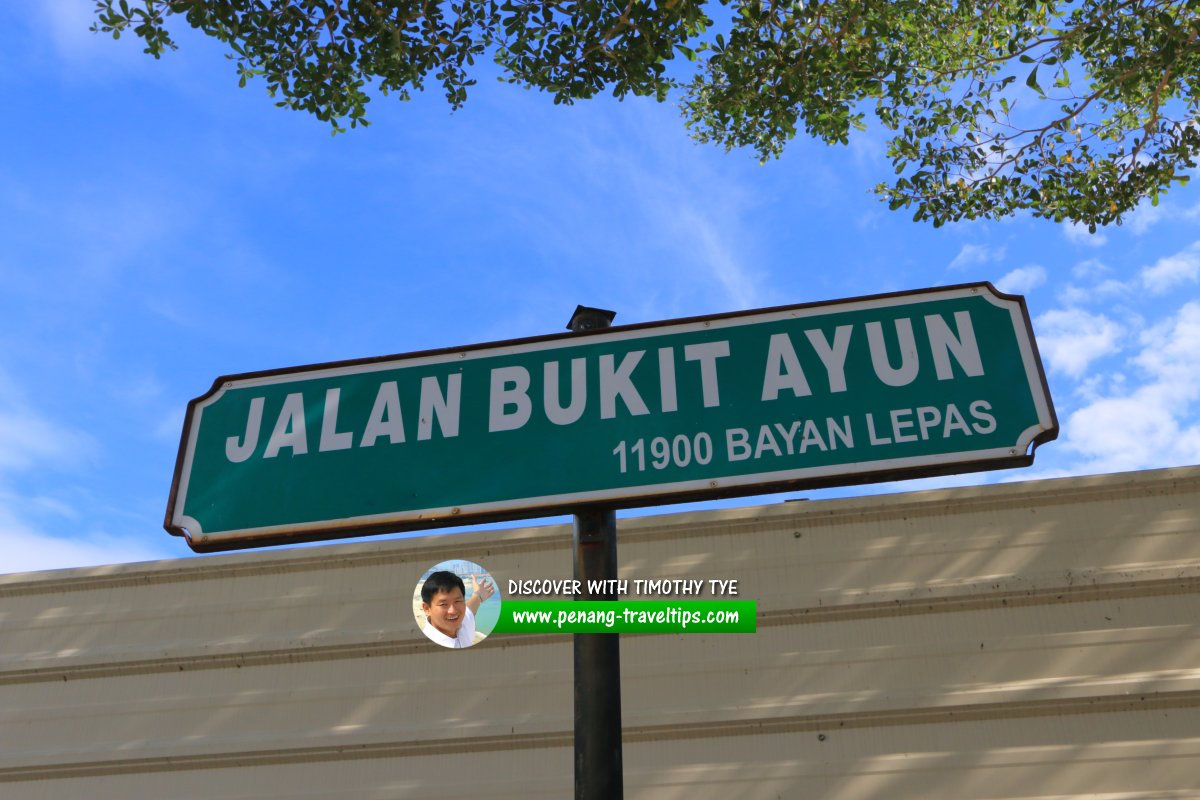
(1035, 640)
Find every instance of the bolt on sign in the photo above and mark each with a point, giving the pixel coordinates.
(853, 391)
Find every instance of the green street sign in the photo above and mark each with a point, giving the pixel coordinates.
(869, 389)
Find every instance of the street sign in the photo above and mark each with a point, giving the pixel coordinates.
(869, 389)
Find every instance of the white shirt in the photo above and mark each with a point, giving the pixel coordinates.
(465, 637)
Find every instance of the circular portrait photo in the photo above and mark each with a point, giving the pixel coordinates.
(456, 603)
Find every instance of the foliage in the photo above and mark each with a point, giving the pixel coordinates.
(1071, 110)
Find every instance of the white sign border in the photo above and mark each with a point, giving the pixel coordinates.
(1018, 454)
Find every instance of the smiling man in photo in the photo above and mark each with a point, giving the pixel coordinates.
(449, 615)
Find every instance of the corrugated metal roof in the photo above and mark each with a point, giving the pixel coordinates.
(1024, 640)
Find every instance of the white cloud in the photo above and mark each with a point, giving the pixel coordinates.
(1122, 433)
(973, 254)
(869, 148)
(170, 424)
(713, 248)
(1072, 338)
(1147, 215)
(1172, 271)
(1022, 280)
(1077, 295)
(24, 548)
(597, 189)
(1144, 217)
(692, 208)
(1172, 354)
(1090, 268)
(28, 438)
(54, 507)
(1079, 234)
(31, 443)
(68, 24)
(1155, 424)
(1097, 385)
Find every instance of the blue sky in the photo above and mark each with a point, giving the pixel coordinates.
(161, 227)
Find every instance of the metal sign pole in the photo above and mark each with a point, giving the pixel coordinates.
(599, 774)
(598, 769)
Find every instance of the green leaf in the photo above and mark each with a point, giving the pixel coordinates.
(929, 71)
(1032, 82)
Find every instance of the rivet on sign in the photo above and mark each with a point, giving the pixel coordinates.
(454, 511)
(1012, 452)
(712, 484)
